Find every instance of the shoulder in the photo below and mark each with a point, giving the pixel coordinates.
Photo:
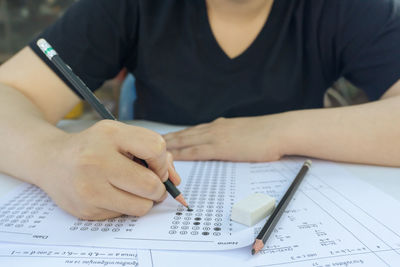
(353, 6)
(361, 13)
(354, 22)
(351, 10)
(366, 38)
(374, 6)
(365, 22)
(374, 13)
(93, 5)
(102, 9)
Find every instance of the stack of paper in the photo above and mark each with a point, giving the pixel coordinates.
(331, 221)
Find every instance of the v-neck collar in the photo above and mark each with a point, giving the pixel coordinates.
(265, 38)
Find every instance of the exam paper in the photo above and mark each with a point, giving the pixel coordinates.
(242, 258)
(211, 188)
(335, 219)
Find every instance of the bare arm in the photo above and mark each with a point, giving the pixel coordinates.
(368, 133)
(88, 173)
(32, 100)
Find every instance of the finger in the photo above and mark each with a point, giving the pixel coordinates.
(188, 131)
(143, 144)
(200, 152)
(182, 141)
(117, 200)
(91, 213)
(100, 214)
(162, 198)
(134, 178)
(135, 159)
(173, 175)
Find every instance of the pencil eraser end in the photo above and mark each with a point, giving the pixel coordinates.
(252, 209)
(46, 48)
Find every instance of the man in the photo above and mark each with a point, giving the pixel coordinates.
(263, 64)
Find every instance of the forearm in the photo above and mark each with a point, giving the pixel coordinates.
(26, 137)
(368, 133)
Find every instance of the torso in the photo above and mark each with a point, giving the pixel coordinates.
(190, 70)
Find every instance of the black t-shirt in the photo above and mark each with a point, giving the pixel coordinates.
(184, 77)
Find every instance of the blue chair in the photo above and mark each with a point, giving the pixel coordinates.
(127, 98)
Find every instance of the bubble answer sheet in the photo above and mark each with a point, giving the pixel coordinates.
(334, 219)
(29, 216)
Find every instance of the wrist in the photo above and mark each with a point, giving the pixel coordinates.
(290, 132)
(47, 157)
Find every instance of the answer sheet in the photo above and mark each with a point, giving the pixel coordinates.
(211, 188)
(335, 219)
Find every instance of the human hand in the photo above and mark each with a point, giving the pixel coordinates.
(92, 177)
(238, 139)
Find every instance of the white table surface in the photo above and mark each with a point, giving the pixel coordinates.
(385, 178)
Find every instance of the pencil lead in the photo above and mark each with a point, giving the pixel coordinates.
(253, 251)
(189, 209)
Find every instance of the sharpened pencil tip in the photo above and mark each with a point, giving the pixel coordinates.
(257, 246)
(189, 209)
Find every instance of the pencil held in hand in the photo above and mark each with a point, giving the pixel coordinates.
(88, 95)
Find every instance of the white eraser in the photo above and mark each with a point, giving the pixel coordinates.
(252, 209)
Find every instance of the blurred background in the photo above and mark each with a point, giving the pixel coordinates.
(22, 20)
